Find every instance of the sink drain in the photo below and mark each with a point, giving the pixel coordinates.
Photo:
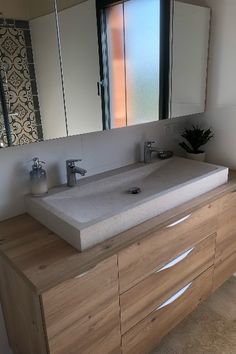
(134, 190)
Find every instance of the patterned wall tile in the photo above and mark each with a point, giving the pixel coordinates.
(17, 71)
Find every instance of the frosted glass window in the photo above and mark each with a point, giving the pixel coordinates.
(116, 65)
(133, 51)
(142, 52)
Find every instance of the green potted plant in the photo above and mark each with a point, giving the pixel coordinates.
(195, 138)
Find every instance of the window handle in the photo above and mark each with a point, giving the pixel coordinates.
(100, 85)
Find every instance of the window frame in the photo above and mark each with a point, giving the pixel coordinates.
(165, 57)
(3, 103)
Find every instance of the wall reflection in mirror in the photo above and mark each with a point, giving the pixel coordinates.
(71, 67)
(32, 107)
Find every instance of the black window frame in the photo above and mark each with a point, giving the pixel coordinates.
(3, 102)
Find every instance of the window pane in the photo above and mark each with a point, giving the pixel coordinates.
(142, 54)
(116, 60)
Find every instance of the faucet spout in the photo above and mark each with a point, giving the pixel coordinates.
(80, 171)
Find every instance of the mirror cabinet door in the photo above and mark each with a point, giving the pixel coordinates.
(132, 62)
(31, 107)
(191, 30)
(80, 64)
(112, 62)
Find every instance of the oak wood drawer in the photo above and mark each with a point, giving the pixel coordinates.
(224, 270)
(140, 259)
(142, 299)
(22, 313)
(226, 233)
(82, 314)
(147, 334)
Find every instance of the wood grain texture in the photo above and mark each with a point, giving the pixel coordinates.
(225, 258)
(226, 233)
(82, 315)
(22, 313)
(140, 259)
(146, 335)
(146, 296)
(76, 296)
(209, 330)
(224, 270)
(45, 261)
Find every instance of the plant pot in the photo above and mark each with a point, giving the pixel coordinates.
(197, 157)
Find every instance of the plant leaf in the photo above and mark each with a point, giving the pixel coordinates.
(196, 137)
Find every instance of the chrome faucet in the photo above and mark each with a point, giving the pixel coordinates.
(148, 151)
(72, 170)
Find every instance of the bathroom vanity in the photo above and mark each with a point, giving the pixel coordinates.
(122, 295)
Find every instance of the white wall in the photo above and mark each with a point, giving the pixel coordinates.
(17, 9)
(44, 7)
(79, 45)
(48, 76)
(191, 26)
(221, 103)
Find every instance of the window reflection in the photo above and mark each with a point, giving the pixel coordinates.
(116, 60)
(133, 59)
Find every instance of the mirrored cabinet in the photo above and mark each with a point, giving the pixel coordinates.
(189, 58)
(72, 67)
(80, 65)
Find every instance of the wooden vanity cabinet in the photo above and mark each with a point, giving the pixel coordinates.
(82, 315)
(142, 299)
(161, 246)
(225, 258)
(147, 334)
(122, 296)
(22, 313)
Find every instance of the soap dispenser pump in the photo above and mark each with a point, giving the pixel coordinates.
(38, 178)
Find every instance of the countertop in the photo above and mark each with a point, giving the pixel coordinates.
(44, 260)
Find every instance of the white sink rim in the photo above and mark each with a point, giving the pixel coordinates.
(80, 231)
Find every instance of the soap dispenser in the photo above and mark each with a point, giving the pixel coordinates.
(38, 178)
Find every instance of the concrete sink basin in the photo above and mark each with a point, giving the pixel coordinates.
(102, 206)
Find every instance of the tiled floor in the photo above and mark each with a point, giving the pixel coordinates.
(211, 329)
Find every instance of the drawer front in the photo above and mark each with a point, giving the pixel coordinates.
(224, 270)
(140, 259)
(226, 233)
(146, 335)
(22, 313)
(142, 299)
(82, 314)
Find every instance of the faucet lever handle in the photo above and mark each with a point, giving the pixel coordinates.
(149, 143)
(72, 162)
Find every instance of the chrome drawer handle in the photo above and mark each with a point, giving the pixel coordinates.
(82, 275)
(179, 221)
(175, 297)
(85, 273)
(176, 260)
